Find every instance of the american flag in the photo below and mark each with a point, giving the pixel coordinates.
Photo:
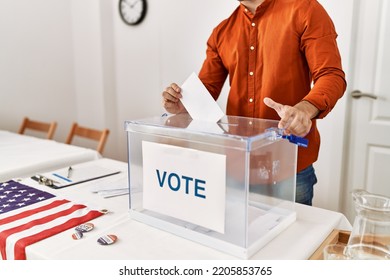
(28, 215)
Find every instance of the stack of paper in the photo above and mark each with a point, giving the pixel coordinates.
(113, 188)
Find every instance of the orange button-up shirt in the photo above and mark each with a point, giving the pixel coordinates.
(279, 52)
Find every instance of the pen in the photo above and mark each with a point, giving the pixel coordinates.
(69, 171)
(61, 177)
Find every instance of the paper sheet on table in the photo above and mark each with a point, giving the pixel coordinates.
(111, 188)
(119, 183)
(113, 193)
(198, 101)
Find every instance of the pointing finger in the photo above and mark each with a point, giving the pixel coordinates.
(274, 105)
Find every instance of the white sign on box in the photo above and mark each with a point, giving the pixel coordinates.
(184, 183)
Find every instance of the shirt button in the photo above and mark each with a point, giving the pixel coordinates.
(250, 100)
(246, 10)
(251, 73)
(253, 24)
(252, 48)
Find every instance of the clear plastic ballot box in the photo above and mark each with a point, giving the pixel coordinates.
(228, 185)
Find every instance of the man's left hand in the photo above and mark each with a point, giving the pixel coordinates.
(294, 120)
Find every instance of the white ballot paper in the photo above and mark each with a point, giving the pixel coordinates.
(198, 101)
(111, 188)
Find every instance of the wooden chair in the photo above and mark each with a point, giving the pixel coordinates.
(89, 133)
(28, 124)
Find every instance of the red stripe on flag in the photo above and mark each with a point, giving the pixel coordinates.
(28, 213)
(6, 233)
(20, 246)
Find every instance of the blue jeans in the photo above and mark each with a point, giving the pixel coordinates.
(306, 179)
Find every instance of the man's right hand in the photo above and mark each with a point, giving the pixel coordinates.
(171, 99)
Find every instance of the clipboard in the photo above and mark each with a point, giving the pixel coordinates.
(58, 179)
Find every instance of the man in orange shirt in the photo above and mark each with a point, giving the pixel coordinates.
(282, 61)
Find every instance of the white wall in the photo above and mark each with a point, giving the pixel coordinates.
(36, 63)
(329, 167)
(77, 61)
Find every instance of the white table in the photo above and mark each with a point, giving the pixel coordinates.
(22, 156)
(140, 241)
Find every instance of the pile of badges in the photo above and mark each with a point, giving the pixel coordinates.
(103, 240)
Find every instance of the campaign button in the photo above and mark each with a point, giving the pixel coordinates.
(107, 239)
(77, 235)
(85, 227)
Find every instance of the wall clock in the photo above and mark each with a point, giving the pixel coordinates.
(132, 12)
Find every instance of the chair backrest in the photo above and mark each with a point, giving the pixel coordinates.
(48, 128)
(89, 133)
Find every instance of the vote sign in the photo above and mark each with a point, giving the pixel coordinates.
(185, 183)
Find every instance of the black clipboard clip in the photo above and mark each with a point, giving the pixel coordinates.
(42, 180)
